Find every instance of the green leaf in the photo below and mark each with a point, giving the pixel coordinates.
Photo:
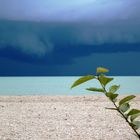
(112, 96)
(95, 89)
(101, 70)
(105, 80)
(133, 117)
(114, 88)
(108, 94)
(133, 112)
(126, 99)
(111, 108)
(82, 80)
(124, 107)
(136, 124)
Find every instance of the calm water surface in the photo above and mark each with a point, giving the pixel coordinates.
(61, 85)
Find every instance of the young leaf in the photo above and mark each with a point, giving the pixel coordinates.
(111, 95)
(82, 80)
(133, 112)
(114, 96)
(124, 107)
(126, 99)
(133, 117)
(136, 124)
(101, 70)
(95, 89)
(105, 80)
(108, 94)
(114, 88)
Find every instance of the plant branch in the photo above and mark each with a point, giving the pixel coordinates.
(126, 119)
(118, 110)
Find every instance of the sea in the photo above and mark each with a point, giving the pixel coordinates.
(61, 85)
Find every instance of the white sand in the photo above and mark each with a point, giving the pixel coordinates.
(62, 118)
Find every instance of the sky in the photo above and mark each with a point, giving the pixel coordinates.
(65, 38)
(65, 10)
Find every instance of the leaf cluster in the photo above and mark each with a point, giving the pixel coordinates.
(123, 106)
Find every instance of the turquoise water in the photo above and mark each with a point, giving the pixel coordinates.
(61, 85)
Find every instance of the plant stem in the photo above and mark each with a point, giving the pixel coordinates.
(126, 120)
(118, 110)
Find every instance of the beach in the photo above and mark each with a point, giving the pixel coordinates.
(62, 118)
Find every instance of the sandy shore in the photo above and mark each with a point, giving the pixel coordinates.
(62, 118)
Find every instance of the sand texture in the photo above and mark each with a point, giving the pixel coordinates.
(62, 118)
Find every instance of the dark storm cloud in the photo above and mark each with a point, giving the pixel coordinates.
(50, 43)
(49, 34)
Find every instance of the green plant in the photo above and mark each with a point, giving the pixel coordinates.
(121, 106)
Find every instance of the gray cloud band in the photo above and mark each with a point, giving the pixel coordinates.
(41, 38)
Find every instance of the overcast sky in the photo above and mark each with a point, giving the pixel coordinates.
(81, 30)
(69, 10)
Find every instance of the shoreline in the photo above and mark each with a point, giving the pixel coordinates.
(57, 98)
(62, 118)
